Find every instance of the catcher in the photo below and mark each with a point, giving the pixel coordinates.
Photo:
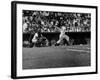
(39, 41)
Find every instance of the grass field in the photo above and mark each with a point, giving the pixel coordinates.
(56, 56)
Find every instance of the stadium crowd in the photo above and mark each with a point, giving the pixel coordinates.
(45, 21)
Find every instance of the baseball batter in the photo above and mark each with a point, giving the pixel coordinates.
(62, 35)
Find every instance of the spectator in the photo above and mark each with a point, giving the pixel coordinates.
(32, 20)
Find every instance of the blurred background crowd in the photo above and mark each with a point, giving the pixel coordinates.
(45, 21)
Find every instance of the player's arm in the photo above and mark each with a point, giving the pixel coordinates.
(57, 28)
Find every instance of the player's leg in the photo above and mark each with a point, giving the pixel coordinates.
(60, 39)
(34, 41)
(67, 39)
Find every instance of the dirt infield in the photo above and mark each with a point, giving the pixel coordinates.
(54, 57)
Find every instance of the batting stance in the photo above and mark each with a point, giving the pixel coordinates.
(62, 35)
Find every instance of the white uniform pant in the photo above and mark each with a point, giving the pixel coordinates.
(34, 40)
(61, 37)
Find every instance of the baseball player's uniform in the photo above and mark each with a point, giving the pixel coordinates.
(62, 35)
(34, 40)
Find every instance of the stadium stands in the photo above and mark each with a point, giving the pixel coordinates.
(45, 21)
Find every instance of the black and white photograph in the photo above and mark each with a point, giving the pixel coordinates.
(56, 39)
(53, 39)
